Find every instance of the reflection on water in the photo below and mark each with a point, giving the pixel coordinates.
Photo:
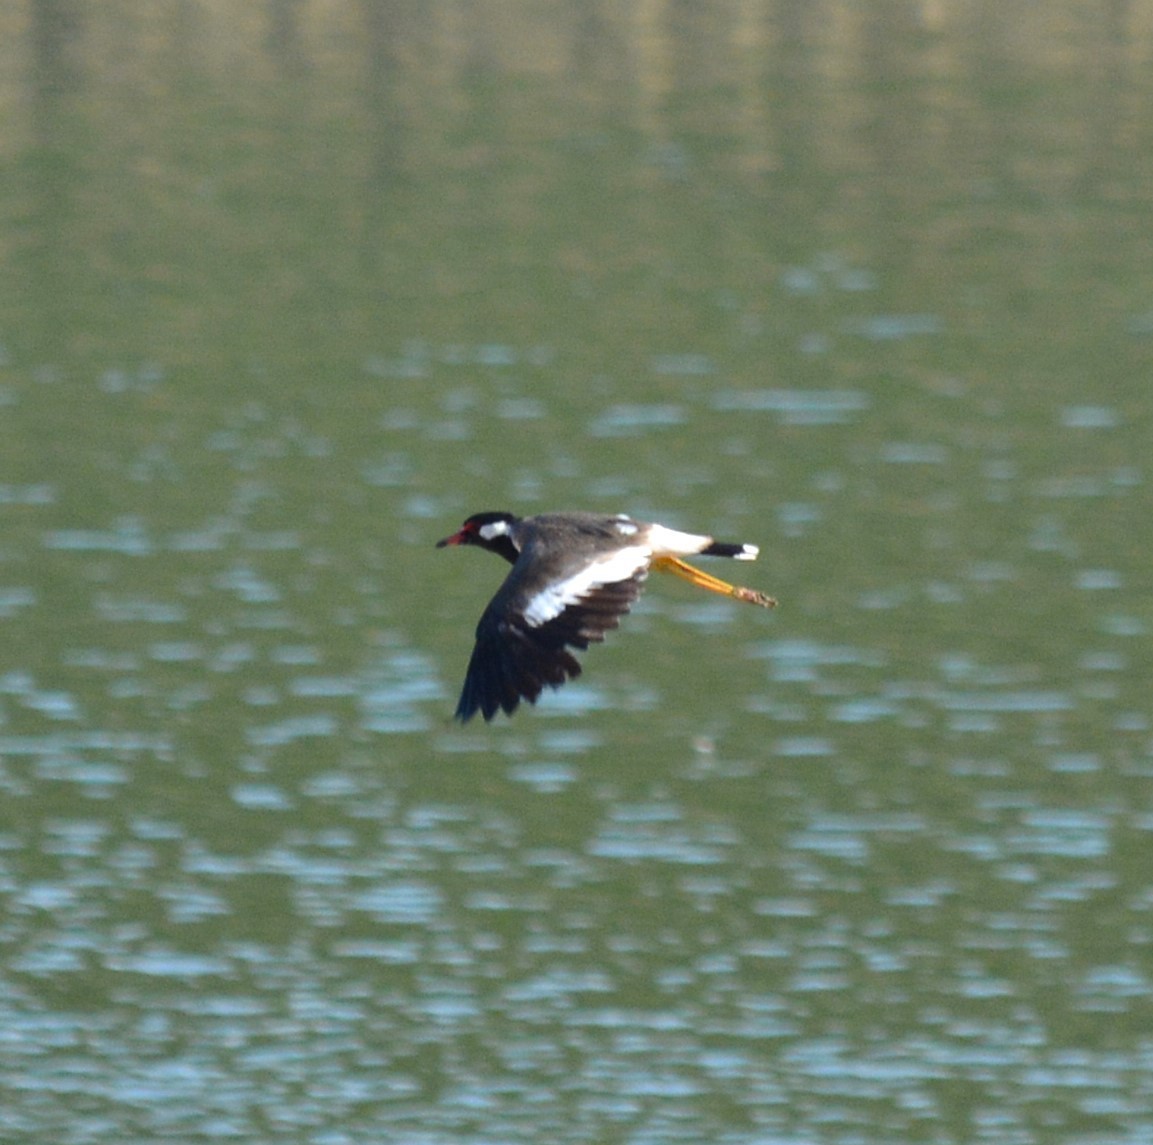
(871, 868)
(458, 961)
(256, 878)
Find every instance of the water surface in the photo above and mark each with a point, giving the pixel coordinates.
(297, 292)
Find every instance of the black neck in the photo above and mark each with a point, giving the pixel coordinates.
(503, 547)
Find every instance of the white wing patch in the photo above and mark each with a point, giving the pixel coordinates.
(550, 602)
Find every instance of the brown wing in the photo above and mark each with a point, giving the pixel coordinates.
(522, 640)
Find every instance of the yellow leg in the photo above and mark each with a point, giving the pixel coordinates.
(712, 583)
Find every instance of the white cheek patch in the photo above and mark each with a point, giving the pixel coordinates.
(550, 602)
(493, 529)
(625, 527)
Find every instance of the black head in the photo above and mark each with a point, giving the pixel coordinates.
(492, 531)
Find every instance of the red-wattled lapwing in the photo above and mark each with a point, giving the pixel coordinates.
(574, 575)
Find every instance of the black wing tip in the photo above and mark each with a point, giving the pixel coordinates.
(495, 683)
(488, 702)
(513, 662)
(464, 712)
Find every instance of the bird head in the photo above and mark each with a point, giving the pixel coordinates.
(490, 530)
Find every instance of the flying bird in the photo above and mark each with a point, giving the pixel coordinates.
(574, 575)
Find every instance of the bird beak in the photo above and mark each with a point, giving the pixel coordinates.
(455, 539)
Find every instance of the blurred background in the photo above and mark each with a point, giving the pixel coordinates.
(291, 287)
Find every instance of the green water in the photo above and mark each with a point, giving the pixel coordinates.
(292, 292)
